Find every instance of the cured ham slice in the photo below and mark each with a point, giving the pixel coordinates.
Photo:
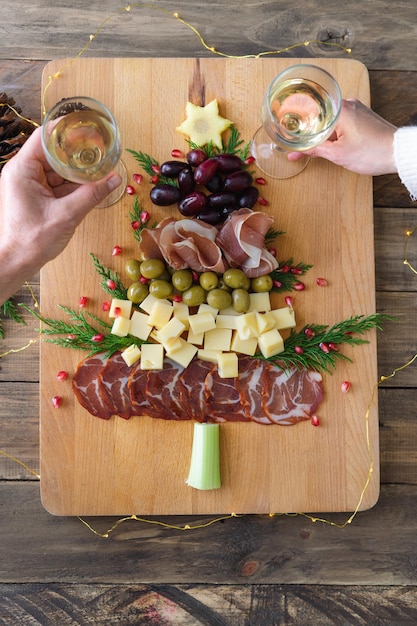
(262, 393)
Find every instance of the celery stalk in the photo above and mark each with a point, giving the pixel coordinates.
(205, 457)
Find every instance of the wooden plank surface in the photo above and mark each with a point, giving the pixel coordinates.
(90, 466)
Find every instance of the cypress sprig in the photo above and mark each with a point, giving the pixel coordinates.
(149, 165)
(9, 309)
(110, 280)
(288, 274)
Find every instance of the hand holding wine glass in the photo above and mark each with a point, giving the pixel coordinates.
(82, 142)
(299, 111)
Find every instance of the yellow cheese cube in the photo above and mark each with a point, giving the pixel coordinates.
(244, 346)
(270, 343)
(227, 321)
(139, 326)
(208, 355)
(121, 326)
(206, 308)
(152, 356)
(265, 321)
(228, 311)
(160, 314)
(172, 344)
(218, 339)
(148, 303)
(181, 312)
(260, 302)
(196, 339)
(184, 355)
(125, 307)
(228, 365)
(284, 317)
(173, 328)
(201, 322)
(247, 326)
(131, 354)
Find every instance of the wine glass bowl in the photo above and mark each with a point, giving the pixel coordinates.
(81, 142)
(299, 111)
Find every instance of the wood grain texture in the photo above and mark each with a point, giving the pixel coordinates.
(379, 37)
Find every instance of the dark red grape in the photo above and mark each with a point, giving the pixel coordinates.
(211, 216)
(164, 194)
(196, 157)
(186, 180)
(229, 163)
(171, 169)
(249, 197)
(238, 181)
(205, 171)
(192, 204)
(215, 184)
(221, 199)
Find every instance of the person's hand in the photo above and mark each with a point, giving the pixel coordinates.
(39, 212)
(362, 142)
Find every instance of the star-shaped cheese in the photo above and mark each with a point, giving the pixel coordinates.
(204, 124)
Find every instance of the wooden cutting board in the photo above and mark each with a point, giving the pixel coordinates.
(95, 467)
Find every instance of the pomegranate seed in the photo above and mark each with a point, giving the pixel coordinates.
(249, 160)
(322, 282)
(315, 420)
(70, 337)
(296, 271)
(298, 350)
(154, 179)
(130, 190)
(97, 338)
(82, 301)
(144, 217)
(62, 375)
(277, 284)
(285, 269)
(260, 181)
(196, 277)
(324, 346)
(117, 311)
(135, 224)
(116, 251)
(155, 168)
(299, 286)
(56, 402)
(309, 333)
(106, 306)
(345, 386)
(272, 251)
(262, 201)
(289, 301)
(333, 347)
(111, 284)
(138, 178)
(177, 154)
(143, 280)
(177, 297)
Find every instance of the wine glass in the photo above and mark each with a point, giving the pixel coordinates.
(82, 143)
(299, 111)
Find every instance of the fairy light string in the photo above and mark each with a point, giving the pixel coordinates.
(409, 233)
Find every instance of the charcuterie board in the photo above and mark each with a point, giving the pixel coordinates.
(91, 466)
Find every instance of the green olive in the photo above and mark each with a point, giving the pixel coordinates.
(152, 268)
(236, 278)
(132, 269)
(137, 292)
(182, 279)
(219, 299)
(261, 283)
(222, 285)
(160, 288)
(194, 296)
(240, 300)
(209, 280)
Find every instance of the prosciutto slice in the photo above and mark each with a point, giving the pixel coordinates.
(262, 393)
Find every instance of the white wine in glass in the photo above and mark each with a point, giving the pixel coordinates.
(299, 111)
(82, 143)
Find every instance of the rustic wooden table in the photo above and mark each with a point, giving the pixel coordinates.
(250, 570)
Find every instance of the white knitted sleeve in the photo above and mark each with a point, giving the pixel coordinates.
(405, 155)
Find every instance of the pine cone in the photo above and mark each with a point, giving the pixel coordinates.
(13, 129)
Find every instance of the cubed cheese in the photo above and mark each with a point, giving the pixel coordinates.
(244, 346)
(227, 363)
(206, 308)
(218, 339)
(173, 328)
(124, 306)
(196, 339)
(121, 326)
(226, 321)
(265, 321)
(131, 354)
(247, 326)
(201, 322)
(139, 326)
(152, 356)
(147, 304)
(284, 317)
(160, 313)
(260, 302)
(271, 343)
(181, 311)
(184, 355)
(208, 355)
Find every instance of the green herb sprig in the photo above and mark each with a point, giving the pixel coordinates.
(288, 274)
(234, 145)
(9, 309)
(116, 288)
(150, 166)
